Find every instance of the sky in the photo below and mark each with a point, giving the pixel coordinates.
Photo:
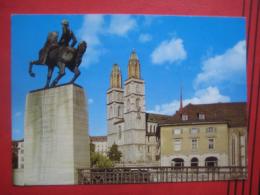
(204, 55)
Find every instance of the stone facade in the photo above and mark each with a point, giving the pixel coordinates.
(220, 135)
(56, 139)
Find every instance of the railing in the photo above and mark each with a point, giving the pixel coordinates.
(125, 175)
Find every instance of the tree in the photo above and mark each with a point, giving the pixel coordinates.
(114, 154)
(98, 160)
(92, 147)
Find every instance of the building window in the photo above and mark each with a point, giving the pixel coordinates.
(233, 145)
(150, 128)
(194, 130)
(194, 162)
(177, 162)
(140, 148)
(119, 132)
(211, 143)
(211, 161)
(177, 131)
(194, 144)
(111, 111)
(177, 144)
(119, 111)
(154, 129)
(201, 116)
(184, 117)
(137, 103)
(128, 105)
(211, 130)
(148, 149)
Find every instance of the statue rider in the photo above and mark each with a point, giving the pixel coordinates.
(67, 35)
(51, 42)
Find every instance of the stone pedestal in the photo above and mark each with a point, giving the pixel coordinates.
(56, 136)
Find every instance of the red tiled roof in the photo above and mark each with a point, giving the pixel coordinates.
(233, 113)
(98, 138)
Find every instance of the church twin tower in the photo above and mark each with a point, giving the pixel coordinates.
(126, 112)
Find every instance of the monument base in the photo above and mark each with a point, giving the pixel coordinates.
(56, 142)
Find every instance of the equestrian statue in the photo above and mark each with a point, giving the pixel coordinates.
(60, 54)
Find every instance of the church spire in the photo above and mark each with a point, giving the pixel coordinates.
(181, 106)
(133, 66)
(116, 77)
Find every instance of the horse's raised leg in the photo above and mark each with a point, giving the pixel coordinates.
(76, 74)
(60, 75)
(50, 71)
(34, 62)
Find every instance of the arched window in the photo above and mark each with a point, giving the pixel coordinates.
(211, 161)
(150, 128)
(194, 162)
(111, 111)
(177, 162)
(128, 105)
(137, 103)
(118, 111)
(119, 132)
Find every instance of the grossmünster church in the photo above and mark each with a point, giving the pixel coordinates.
(206, 134)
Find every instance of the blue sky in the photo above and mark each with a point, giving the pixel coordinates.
(206, 55)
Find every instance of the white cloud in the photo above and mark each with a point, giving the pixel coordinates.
(169, 51)
(228, 66)
(90, 101)
(143, 38)
(18, 114)
(121, 24)
(208, 95)
(92, 27)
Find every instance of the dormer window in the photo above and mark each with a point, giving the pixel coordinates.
(201, 116)
(184, 117)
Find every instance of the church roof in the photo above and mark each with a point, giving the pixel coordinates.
(98, 138)
(234, 114)
(157, 118)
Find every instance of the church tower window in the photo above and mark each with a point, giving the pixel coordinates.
(137, 104)
(119, 132)
(128, 105)
(111, 111)
(119, 111)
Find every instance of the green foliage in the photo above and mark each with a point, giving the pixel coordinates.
(100, 161)
(114, 154)
(92, 147)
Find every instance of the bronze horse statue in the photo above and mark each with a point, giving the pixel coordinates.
(53, 55)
